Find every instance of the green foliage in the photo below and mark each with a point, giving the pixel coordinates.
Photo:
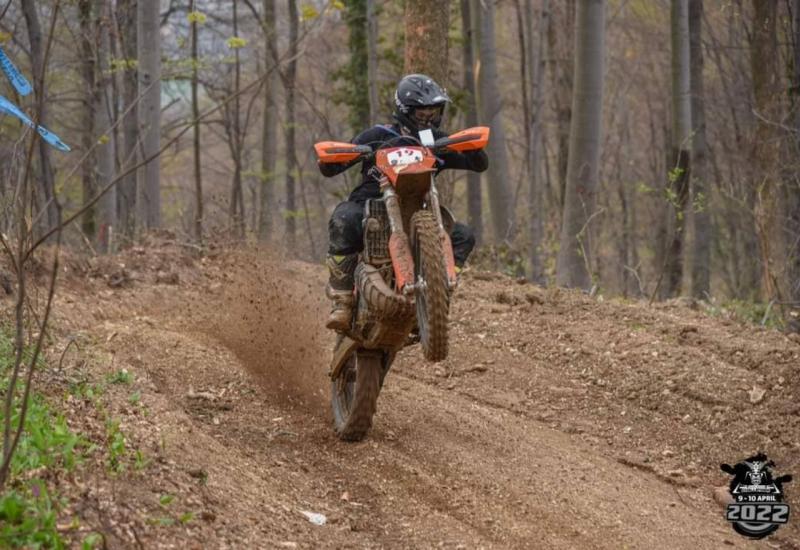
(120, 376)
(28, 511)
(48, 441)
(186, 518)
(758, 313)
(117, 65)
(92, 541)
(166, 500)
(236, 42)
(196, 17)
(699, 203)
(28, 518)
(308, 12)
(675, 174)
(140, 462)
(115, 442)
(89, 392)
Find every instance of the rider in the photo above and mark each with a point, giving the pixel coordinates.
(419, 105)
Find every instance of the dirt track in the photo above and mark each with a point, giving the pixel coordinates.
(557, 422)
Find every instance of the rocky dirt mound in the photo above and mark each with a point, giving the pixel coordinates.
(558, 421)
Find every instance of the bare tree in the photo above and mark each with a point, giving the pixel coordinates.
(766, 91)
(474, 191)
(235, 137)
(107, 206)
(269, 133)
(37, 62)
(88, 70)
(198, 174)
(701, 257)
(584, 145)
(491, 105)
(426, 44)
(536, 57)
(128, 83)
(561, 45)
(794, 184)
(372, 61)
(678, 180)
(149, 73)
(289, 81)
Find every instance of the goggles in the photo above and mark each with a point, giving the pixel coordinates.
(427, 117)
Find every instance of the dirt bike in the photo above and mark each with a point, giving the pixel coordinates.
(405, 274)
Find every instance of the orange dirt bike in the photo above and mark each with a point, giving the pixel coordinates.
(405, 274)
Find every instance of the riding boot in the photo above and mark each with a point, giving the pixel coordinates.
(340, 290)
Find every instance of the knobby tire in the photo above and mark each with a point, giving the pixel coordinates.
(432, 301)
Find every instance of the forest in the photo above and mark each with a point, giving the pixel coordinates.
(630, 315)
(639, 148)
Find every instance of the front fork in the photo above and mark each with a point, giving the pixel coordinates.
(447, 245)
(399, 245)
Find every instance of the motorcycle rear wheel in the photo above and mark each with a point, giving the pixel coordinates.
(430, 278)
(354, 395)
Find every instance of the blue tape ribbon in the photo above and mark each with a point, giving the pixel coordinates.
(7, 107)
(19, 82)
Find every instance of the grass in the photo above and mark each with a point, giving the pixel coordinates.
(120, 377)
(28, 509)
(756, 313)
(48, 448)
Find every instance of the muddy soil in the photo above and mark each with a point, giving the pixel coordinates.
(558, 421)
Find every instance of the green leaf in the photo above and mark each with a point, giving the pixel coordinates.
(186, 518)
(196, 17)
(308, 12)
(236, 42)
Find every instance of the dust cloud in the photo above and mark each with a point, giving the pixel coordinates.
(270, 314)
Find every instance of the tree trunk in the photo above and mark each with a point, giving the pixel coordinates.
(426, 43)
(149, 55)
(561, 48)
(794, 186)
(355, 94)
(474, 191)
(291, 154)
(701, 257)
(766, 91)
(37, 63)
(536, 57)
(126, 24)
(491, 109)
(237, 191)
(573, 269)
(198, 174)
(372, 62)
(107, 206)
(269, 133)
(678, 180)
(88, 105)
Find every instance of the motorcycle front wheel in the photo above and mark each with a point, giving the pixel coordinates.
(430, 279)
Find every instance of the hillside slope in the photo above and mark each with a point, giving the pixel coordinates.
(558, 421)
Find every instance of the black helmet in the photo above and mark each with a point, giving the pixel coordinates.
(415, 91)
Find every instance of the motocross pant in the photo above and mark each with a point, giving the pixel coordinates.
(346, 233)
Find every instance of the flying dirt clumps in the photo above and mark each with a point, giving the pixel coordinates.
(271, 318)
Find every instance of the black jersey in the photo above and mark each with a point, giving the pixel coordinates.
(389, 135)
